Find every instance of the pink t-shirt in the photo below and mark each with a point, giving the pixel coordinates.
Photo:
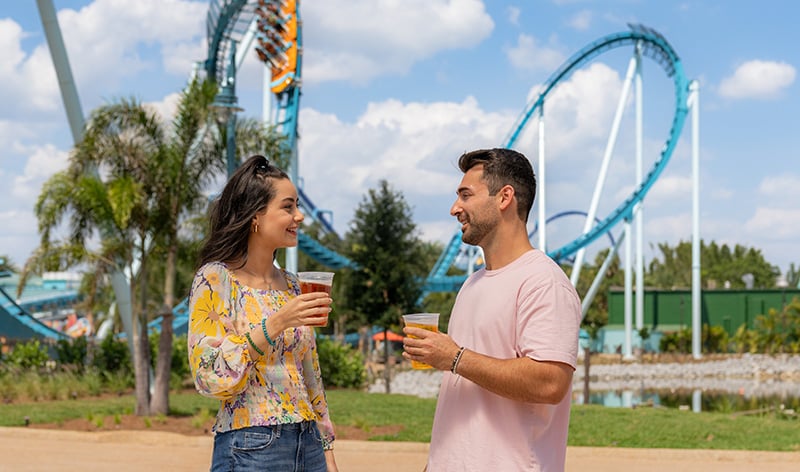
(527, 308)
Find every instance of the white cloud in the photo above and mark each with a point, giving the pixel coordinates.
(758, 79)
(167, 107)
(106, 42)
(671, 188)
(783, 187)
(528, 54)
(581, 21)
(513, 15)
(386, 37)
(775, 223)
(412, 145)
(43, 162)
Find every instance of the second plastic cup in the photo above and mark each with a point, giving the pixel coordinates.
(429, 321)
(316, 282)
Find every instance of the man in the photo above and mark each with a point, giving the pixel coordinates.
(512, 341)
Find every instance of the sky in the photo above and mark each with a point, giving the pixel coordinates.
(397, 90)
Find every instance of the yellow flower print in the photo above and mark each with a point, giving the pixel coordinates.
(241, 418)
(206, 313)
(286, 403)
(212, 278)
(252, 310)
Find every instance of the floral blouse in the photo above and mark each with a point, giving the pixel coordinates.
(283, 386)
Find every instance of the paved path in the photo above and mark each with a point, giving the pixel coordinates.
(34, 450)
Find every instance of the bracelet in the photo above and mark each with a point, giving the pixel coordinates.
(252, 344)
(266, 334)
(456, 359)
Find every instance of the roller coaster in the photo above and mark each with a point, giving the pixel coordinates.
(274, 30)
(280, 46)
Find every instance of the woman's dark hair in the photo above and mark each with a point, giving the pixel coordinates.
(247, 192)
(504, 167)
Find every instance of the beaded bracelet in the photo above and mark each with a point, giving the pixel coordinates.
(252, 344)
(456, 359)
(266, 334)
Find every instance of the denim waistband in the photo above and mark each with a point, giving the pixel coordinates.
(302, 426)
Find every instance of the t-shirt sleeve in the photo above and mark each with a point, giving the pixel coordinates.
(548, 322)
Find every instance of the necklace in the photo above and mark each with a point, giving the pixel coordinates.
(268, 283)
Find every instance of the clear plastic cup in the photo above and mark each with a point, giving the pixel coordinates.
(316, 282)
(429, 321)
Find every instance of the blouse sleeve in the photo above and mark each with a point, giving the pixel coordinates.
(218, 355)
(316, 393)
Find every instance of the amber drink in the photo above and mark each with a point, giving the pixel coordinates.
(316, 282)
(429, 321)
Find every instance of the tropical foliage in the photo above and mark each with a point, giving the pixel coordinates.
(720, 266)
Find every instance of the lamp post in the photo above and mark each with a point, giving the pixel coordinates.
(226, 106)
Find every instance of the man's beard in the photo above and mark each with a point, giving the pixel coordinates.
(476, 231)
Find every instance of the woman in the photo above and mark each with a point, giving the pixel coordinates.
(251, 344)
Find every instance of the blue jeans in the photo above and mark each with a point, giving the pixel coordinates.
(294, 447)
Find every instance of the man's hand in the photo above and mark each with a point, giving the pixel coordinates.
(435, 349)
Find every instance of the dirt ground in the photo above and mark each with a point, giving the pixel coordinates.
(101, 449)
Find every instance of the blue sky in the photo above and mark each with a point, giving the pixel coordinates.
(397, 90)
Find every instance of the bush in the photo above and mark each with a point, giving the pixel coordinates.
(713, 339)
(676, 341)
(28, 355)
(180, 357)
(72, 352)
(112, 356)
(341, 365)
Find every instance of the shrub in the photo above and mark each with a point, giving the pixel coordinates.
(28, 355)
(72, 352)
(180, 357)
(341, 365)
(112, 356)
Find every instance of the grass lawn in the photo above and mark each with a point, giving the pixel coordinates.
(411, 419)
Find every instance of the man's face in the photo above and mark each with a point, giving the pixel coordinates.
(475, 209)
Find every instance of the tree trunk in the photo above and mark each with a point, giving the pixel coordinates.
(387, 374)
(141, 362)
(160, 402)
(142, 344)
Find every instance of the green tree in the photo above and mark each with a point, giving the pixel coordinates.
(106, 191)
(793, 276)
(719, 264)
(383, 242)
(190, 164)
(6, 265)
(597, 312)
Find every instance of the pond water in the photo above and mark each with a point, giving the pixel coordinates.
(787, 401)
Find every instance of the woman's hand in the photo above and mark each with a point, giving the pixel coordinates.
(331, 461)
(307, 309)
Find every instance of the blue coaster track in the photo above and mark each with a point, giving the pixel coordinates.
(227, 21)
(653, 45)
(17, 322)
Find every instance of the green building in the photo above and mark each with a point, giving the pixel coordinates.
(671, 310)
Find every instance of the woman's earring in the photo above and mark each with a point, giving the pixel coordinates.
(255, 227)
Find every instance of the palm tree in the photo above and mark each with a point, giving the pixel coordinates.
(132, 181)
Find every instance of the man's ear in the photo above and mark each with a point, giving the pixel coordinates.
(506, 195)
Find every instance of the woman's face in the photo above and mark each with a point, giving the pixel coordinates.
(279, 221)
